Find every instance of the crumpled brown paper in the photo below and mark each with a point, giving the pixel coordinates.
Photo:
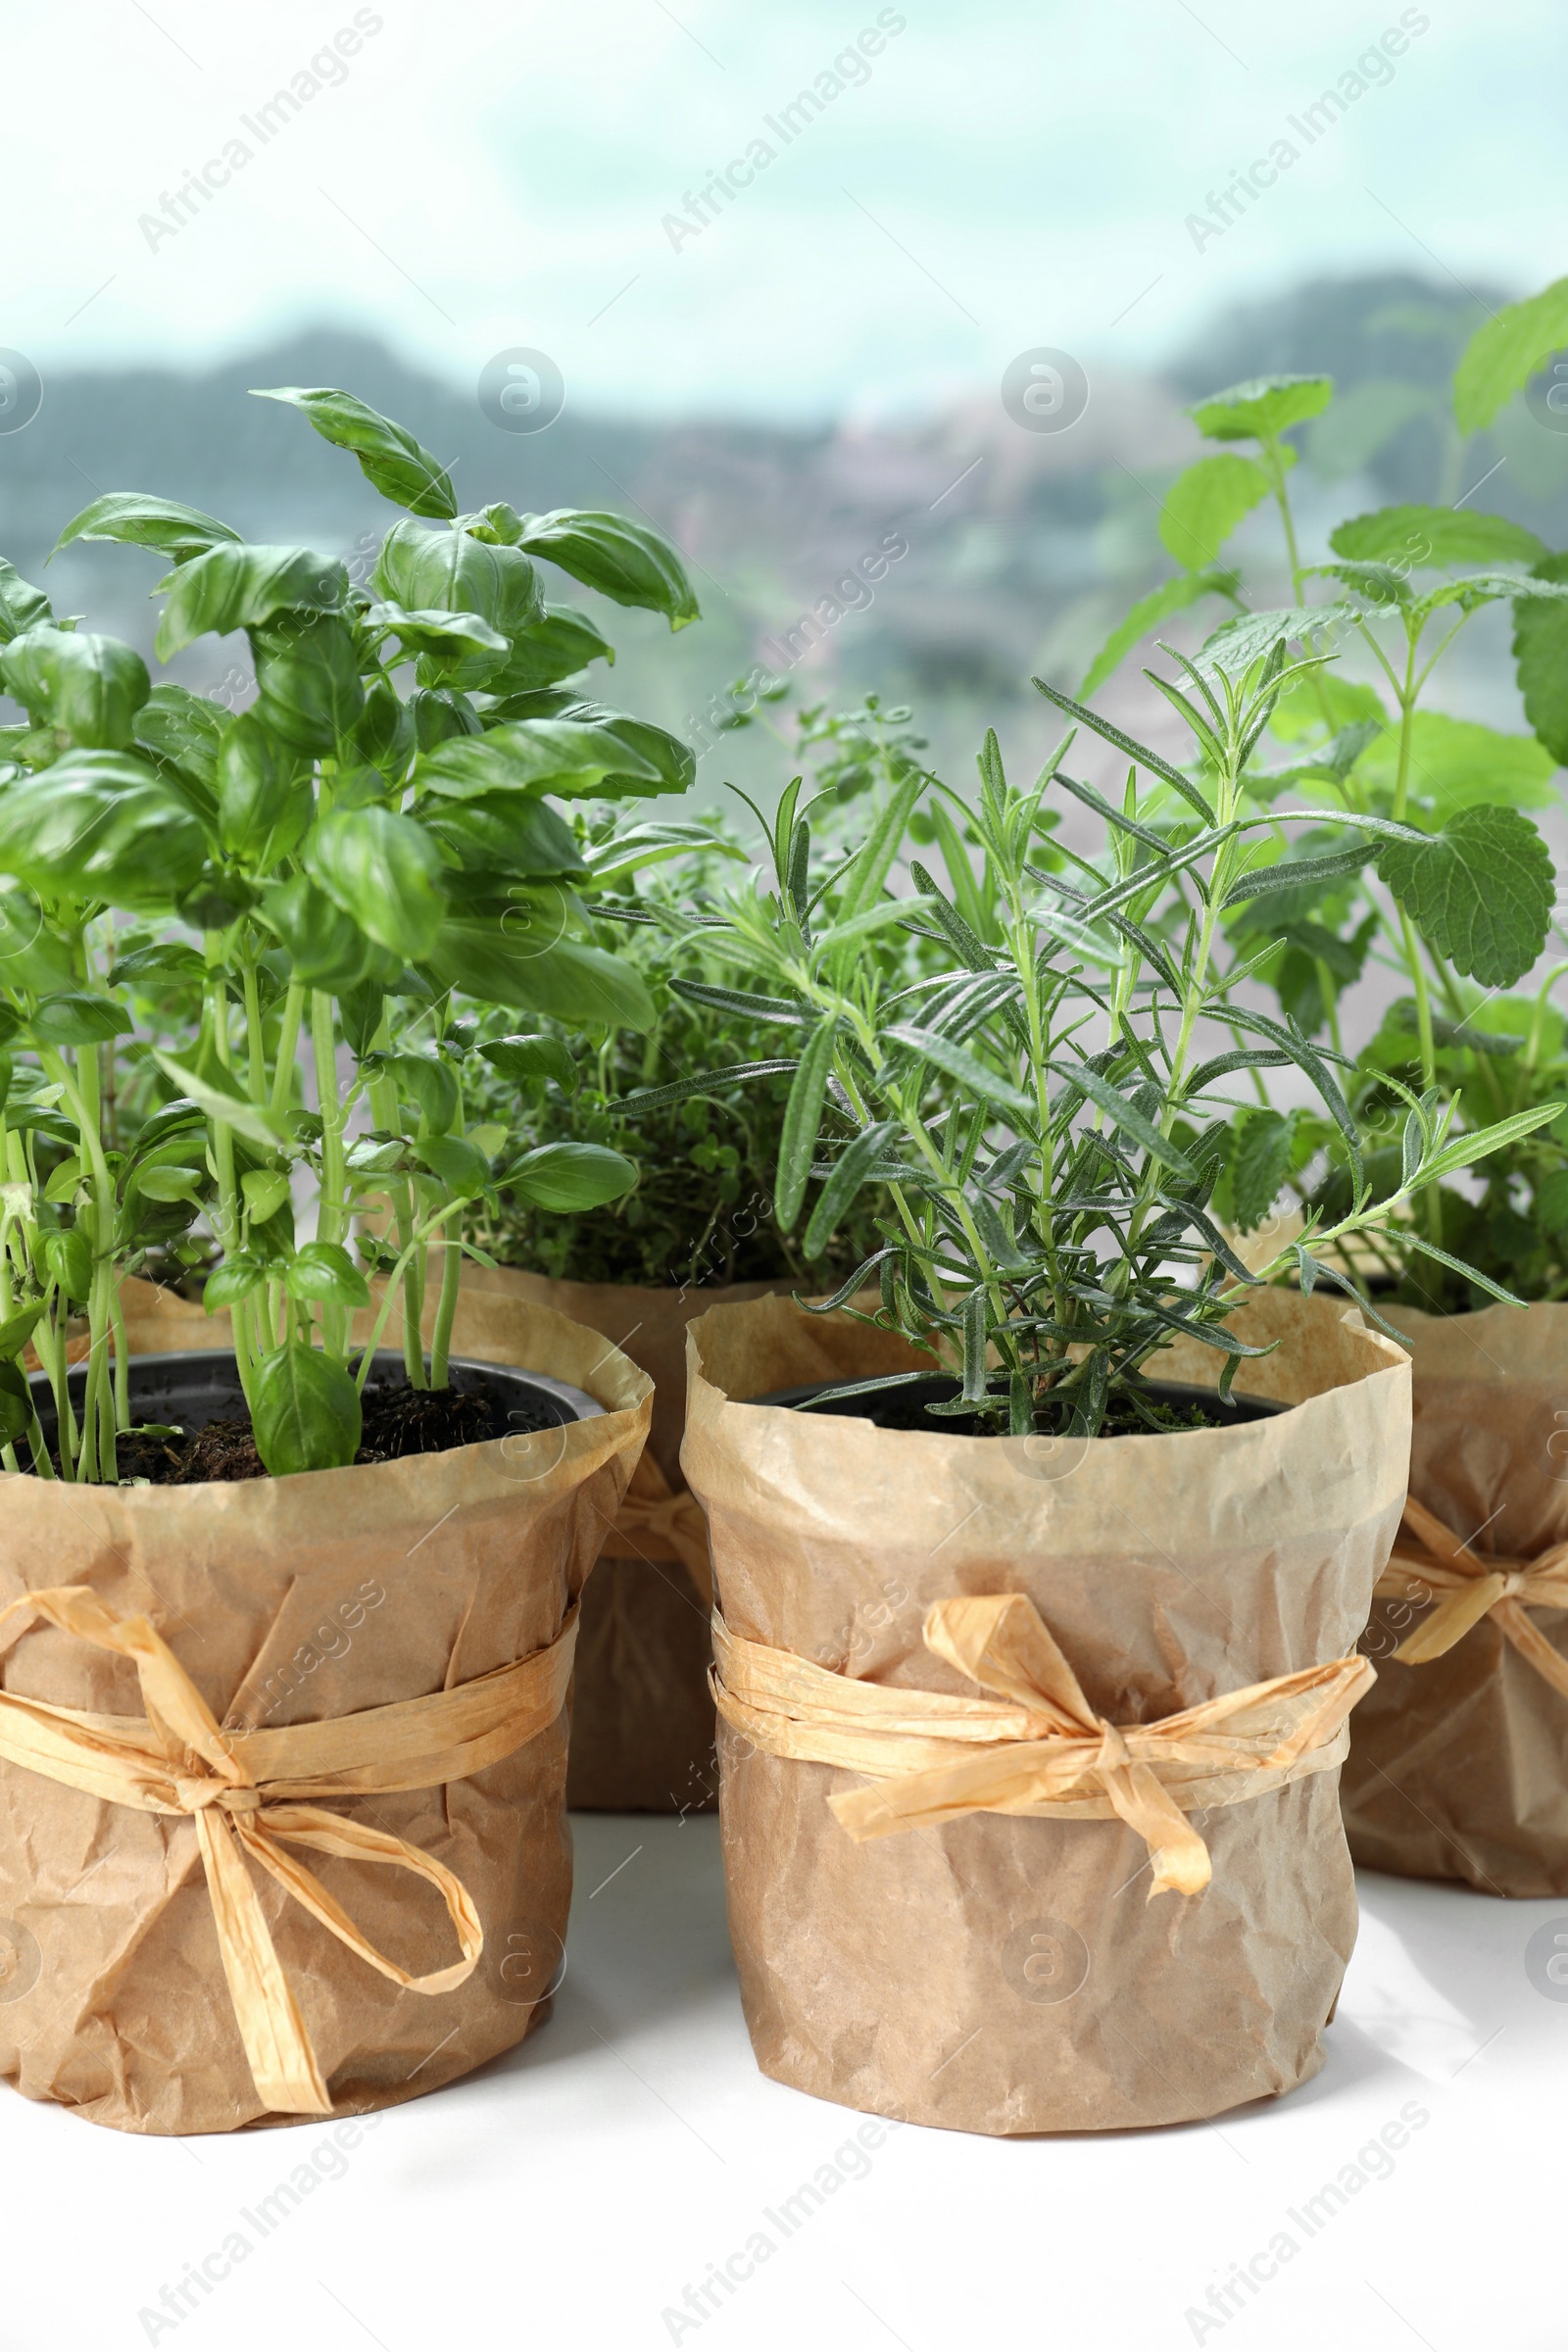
(642, 1725)
(296, 1600)
(1005, 1975)
(1458, 1767)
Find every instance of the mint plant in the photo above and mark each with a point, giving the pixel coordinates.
(321, 875)
(1462, 910)
(1042, 1102)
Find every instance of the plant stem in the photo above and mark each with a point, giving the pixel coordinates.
(446, 1311)
(332, 1212)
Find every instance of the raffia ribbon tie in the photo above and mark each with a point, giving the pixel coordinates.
(658, 1522)
(246, 1793)
(1038, 1748)
(1429, 1562)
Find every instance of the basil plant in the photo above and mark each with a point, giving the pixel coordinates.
(197, 900)
(1048, 1099)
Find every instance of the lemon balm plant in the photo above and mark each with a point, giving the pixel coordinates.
(1045, 1107)
(1459, 913)
(313, 879)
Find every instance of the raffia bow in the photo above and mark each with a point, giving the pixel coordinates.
(244, 1793)
(661, 1523)
(1040, 1749)
(1429, 1562)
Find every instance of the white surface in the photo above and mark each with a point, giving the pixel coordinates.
(570, 2194)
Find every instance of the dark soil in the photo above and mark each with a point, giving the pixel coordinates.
(399, 1420)
(1167, 1407)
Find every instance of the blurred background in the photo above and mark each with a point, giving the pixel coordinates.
(889, 316)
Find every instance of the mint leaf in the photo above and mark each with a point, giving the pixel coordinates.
(1261, 1161)
(1541, 656)
(1172, 596)
(1434, 537)
(1502, 356)
(1481, 890)
(1264, 405)
(1205, 504)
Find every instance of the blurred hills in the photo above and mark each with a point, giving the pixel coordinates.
(1022, 549)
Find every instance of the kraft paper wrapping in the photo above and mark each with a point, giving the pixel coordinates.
(300, 1600)
(642, 1729)
(1009, 1974)
(1458, 1766)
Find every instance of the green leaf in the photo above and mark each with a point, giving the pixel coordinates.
(142, 521)
(390, 459)
(1237, 644)
(169, 1182)
(305, 1412)
(384, 870)
(567, 756)
(674, 763)
(21, 605)
(707, 1082)
(574, 984)
(431, 1086)
(223, 1100)
(183, 729)
(1540, 654)
(100, 825)
(521, 1059)
(625, 560)
(462, 1166)
(324, 1270)
(1502, 356)
(264, 1191)
(1205, 504)
(77, 1017)
(1482, 892)
(18, 1329)
(449, 571)
(556, 646)
(235, 1279)
(68, 1258)
(462, 646)
(1170, 597)
(851, 1169)
(91, 687)
(238, 587)
(1456, 762)
(1261, 1161)
(803, 1119)
(1262, 408)
(1434, 537)
(1481, 1142)
(1124, 1114)
(505, 833)
(1308, 876)
(967, 1070)
(309, 690)
(1151, 760)
(264, 795)
(569, 1178)
(327, 948)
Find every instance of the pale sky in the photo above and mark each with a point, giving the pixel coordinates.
(478, 177)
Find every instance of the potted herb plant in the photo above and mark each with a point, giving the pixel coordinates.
(325, 1583)
(1459, 1761)
(997, 1613)
(699, 1230)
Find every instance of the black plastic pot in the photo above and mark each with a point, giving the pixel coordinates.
(911, 1398)
(197, 1385)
